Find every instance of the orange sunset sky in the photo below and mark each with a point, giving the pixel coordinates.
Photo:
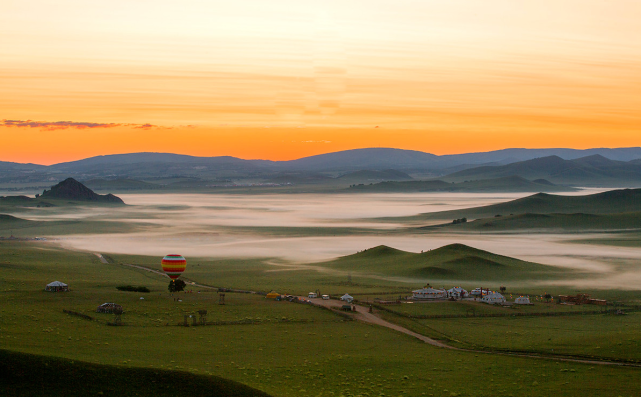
(284, 79)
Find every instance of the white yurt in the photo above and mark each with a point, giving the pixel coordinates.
(522, 300)
(429, 293)
(457, 292)
(493, 297)
(56, 286)
(347, 298)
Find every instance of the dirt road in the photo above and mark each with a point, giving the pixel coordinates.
(362, 314)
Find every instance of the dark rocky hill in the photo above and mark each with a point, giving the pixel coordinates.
(71, 189)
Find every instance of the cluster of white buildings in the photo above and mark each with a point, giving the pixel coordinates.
(433, 293)
(485, 295)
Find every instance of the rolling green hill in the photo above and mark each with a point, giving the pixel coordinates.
(610, 202)
(9, 221)
(31, 375)
(626, 221)
(505, 184)
(452, 262)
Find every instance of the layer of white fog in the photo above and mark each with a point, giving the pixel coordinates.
(222, 226)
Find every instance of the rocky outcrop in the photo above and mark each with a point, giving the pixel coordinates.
(71, 189)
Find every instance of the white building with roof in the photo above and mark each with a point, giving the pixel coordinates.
(493, 297)
(56, 286)
(522, 300)
(429, 293)
(347, 298)
(479, 292)
(457, 292)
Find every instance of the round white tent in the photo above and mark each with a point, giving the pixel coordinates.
(429, 293)
(494, 297)
(457, 292)
(522, 300)
(56, 286)
(347, 298)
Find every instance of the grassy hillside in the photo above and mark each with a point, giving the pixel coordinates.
(505, 184)
(451, 262)
(32, 375)
(613, 201)
(9, 220)
(557, 222)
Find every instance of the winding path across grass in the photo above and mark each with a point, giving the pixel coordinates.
(363, 314)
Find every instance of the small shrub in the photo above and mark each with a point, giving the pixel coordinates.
(131, 288)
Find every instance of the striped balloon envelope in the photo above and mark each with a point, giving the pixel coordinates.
(174, 265)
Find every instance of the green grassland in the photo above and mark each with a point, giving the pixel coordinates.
(577, 222)
(593, 336)
(282, 348)
(265, 274)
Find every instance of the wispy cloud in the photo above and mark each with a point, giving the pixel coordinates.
(63, 125)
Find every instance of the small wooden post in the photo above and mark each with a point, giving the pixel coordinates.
(221, 299)
(203, 317)
(186, 324)
(118, 312)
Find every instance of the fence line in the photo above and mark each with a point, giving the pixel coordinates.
(77, 314)
(534, 314)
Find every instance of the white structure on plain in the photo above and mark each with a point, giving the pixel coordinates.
(429, 293)
(457, 292)
(57, 286)
(493, 297)
(347, 298)
(522, 300)
(476, 292)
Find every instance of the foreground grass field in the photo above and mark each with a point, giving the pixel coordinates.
(32, 375)
(592, 336)
(282, 348)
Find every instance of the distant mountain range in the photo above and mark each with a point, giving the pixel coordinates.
(504, 184)
(594, 170)
(606, 167)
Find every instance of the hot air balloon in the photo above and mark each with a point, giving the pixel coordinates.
(174, 265)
